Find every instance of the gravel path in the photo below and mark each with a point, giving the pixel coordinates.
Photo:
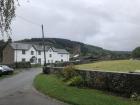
(18, 90)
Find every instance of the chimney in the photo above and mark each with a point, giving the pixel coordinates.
(9, 40)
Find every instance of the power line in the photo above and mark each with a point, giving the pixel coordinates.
(28, 21)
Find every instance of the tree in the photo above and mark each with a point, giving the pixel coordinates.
(7, 13)
(136, 53)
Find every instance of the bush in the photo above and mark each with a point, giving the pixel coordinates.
(69, 72)
(136, 53)
(23, 65)
(135, 96)
(75, 81)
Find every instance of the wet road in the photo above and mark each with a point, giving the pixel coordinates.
(18, 90)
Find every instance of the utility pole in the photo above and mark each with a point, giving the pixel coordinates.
(16, 54)
(43, 40)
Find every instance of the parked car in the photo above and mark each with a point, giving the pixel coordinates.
(1, 71)
(6, 69)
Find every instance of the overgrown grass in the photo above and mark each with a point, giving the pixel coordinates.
(117, 65)
(53, 86)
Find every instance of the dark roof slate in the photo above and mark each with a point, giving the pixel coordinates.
(60, 51)
(20, 46)
(23, 46)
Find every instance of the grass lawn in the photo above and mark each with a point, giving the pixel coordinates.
(54, 87)
(117, 65)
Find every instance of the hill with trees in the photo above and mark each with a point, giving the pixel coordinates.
(75, 47)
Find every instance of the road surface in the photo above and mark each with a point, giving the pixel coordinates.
(18, 90)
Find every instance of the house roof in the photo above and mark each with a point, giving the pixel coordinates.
(40, 48)
(20, 46)
(60, 51)
(23, 46)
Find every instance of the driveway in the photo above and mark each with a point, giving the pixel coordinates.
(18, 90)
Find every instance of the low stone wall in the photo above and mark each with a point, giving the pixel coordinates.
(124, 84)
(48, 70)
(63, 64)
(121, 83)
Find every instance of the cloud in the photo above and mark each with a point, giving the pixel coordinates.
(113, 25)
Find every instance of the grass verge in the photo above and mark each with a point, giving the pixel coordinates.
(116, 65)
(54, 87)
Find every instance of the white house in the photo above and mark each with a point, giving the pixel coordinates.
(20, 52)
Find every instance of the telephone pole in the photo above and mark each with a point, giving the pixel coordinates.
(43, 40)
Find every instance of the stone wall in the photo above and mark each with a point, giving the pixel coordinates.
(8, 55)
(123, 84)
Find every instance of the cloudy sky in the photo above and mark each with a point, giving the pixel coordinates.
(111, 24)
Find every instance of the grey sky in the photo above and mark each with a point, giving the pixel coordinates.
(111, 24)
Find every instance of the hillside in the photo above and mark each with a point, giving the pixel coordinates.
(79, 48)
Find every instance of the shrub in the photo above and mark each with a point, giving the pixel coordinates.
(135, 96)
(23, 65)
(136, 53)
(75, 81)
(69, 72)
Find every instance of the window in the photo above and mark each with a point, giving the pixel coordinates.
(23, 51)
(48, 61)
(39, 52)
(39, 60)
(51, 61)
(61, 55)
(50, 55)
(23, 60)
(32, 52)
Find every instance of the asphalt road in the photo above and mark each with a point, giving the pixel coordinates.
(18, 90)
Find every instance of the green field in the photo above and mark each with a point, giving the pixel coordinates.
(117, 65)
(54, 87)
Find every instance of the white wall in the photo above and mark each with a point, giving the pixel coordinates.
(55, 56)
(19, 56)
(64, 57)
(40, 57)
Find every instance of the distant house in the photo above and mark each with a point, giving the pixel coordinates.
(20, 52)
